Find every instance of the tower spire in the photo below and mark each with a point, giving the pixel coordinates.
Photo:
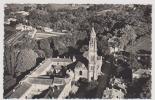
(93, 33)
(92, 56)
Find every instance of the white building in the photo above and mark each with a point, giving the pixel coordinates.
(24, 13)
(8, 21)
(46, 29)
(93, 69)
(22, 27)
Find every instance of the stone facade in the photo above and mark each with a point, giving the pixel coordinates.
(93, 69)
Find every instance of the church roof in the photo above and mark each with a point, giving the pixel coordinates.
(80, 64)
(85, 54)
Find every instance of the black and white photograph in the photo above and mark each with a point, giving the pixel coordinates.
(77, 51)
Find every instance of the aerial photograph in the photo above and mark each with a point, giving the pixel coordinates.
(77, 51)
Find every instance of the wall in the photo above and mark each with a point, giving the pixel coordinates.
(77, 75)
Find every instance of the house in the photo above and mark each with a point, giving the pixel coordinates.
(117, 89)
(113, 94)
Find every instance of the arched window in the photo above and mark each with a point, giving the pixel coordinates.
(80, 72)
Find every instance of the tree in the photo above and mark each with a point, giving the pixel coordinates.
(44, 44)
(25, 61)
(84, 48)
(146, 90)
(102, 44)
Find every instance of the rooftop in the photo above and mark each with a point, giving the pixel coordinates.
(20, 90)
(61, 60)
(142, 71)
(112, 93)
(42, 67)
(58, 80)
(42, 81)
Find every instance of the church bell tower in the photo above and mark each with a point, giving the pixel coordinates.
(92, 57)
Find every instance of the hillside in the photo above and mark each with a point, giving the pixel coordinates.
(126, 22)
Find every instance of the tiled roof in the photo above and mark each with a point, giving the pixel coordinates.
(58, 80)
(78, 64)
(42, 67)
(20, 90)
(43, 81)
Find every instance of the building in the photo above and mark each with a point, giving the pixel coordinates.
(117, 89)
(38, 80)
(95, 61)
(93, 69)
(47, 29)
(113, 94)
(21, 27)
(8, 21)
(24, 13)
